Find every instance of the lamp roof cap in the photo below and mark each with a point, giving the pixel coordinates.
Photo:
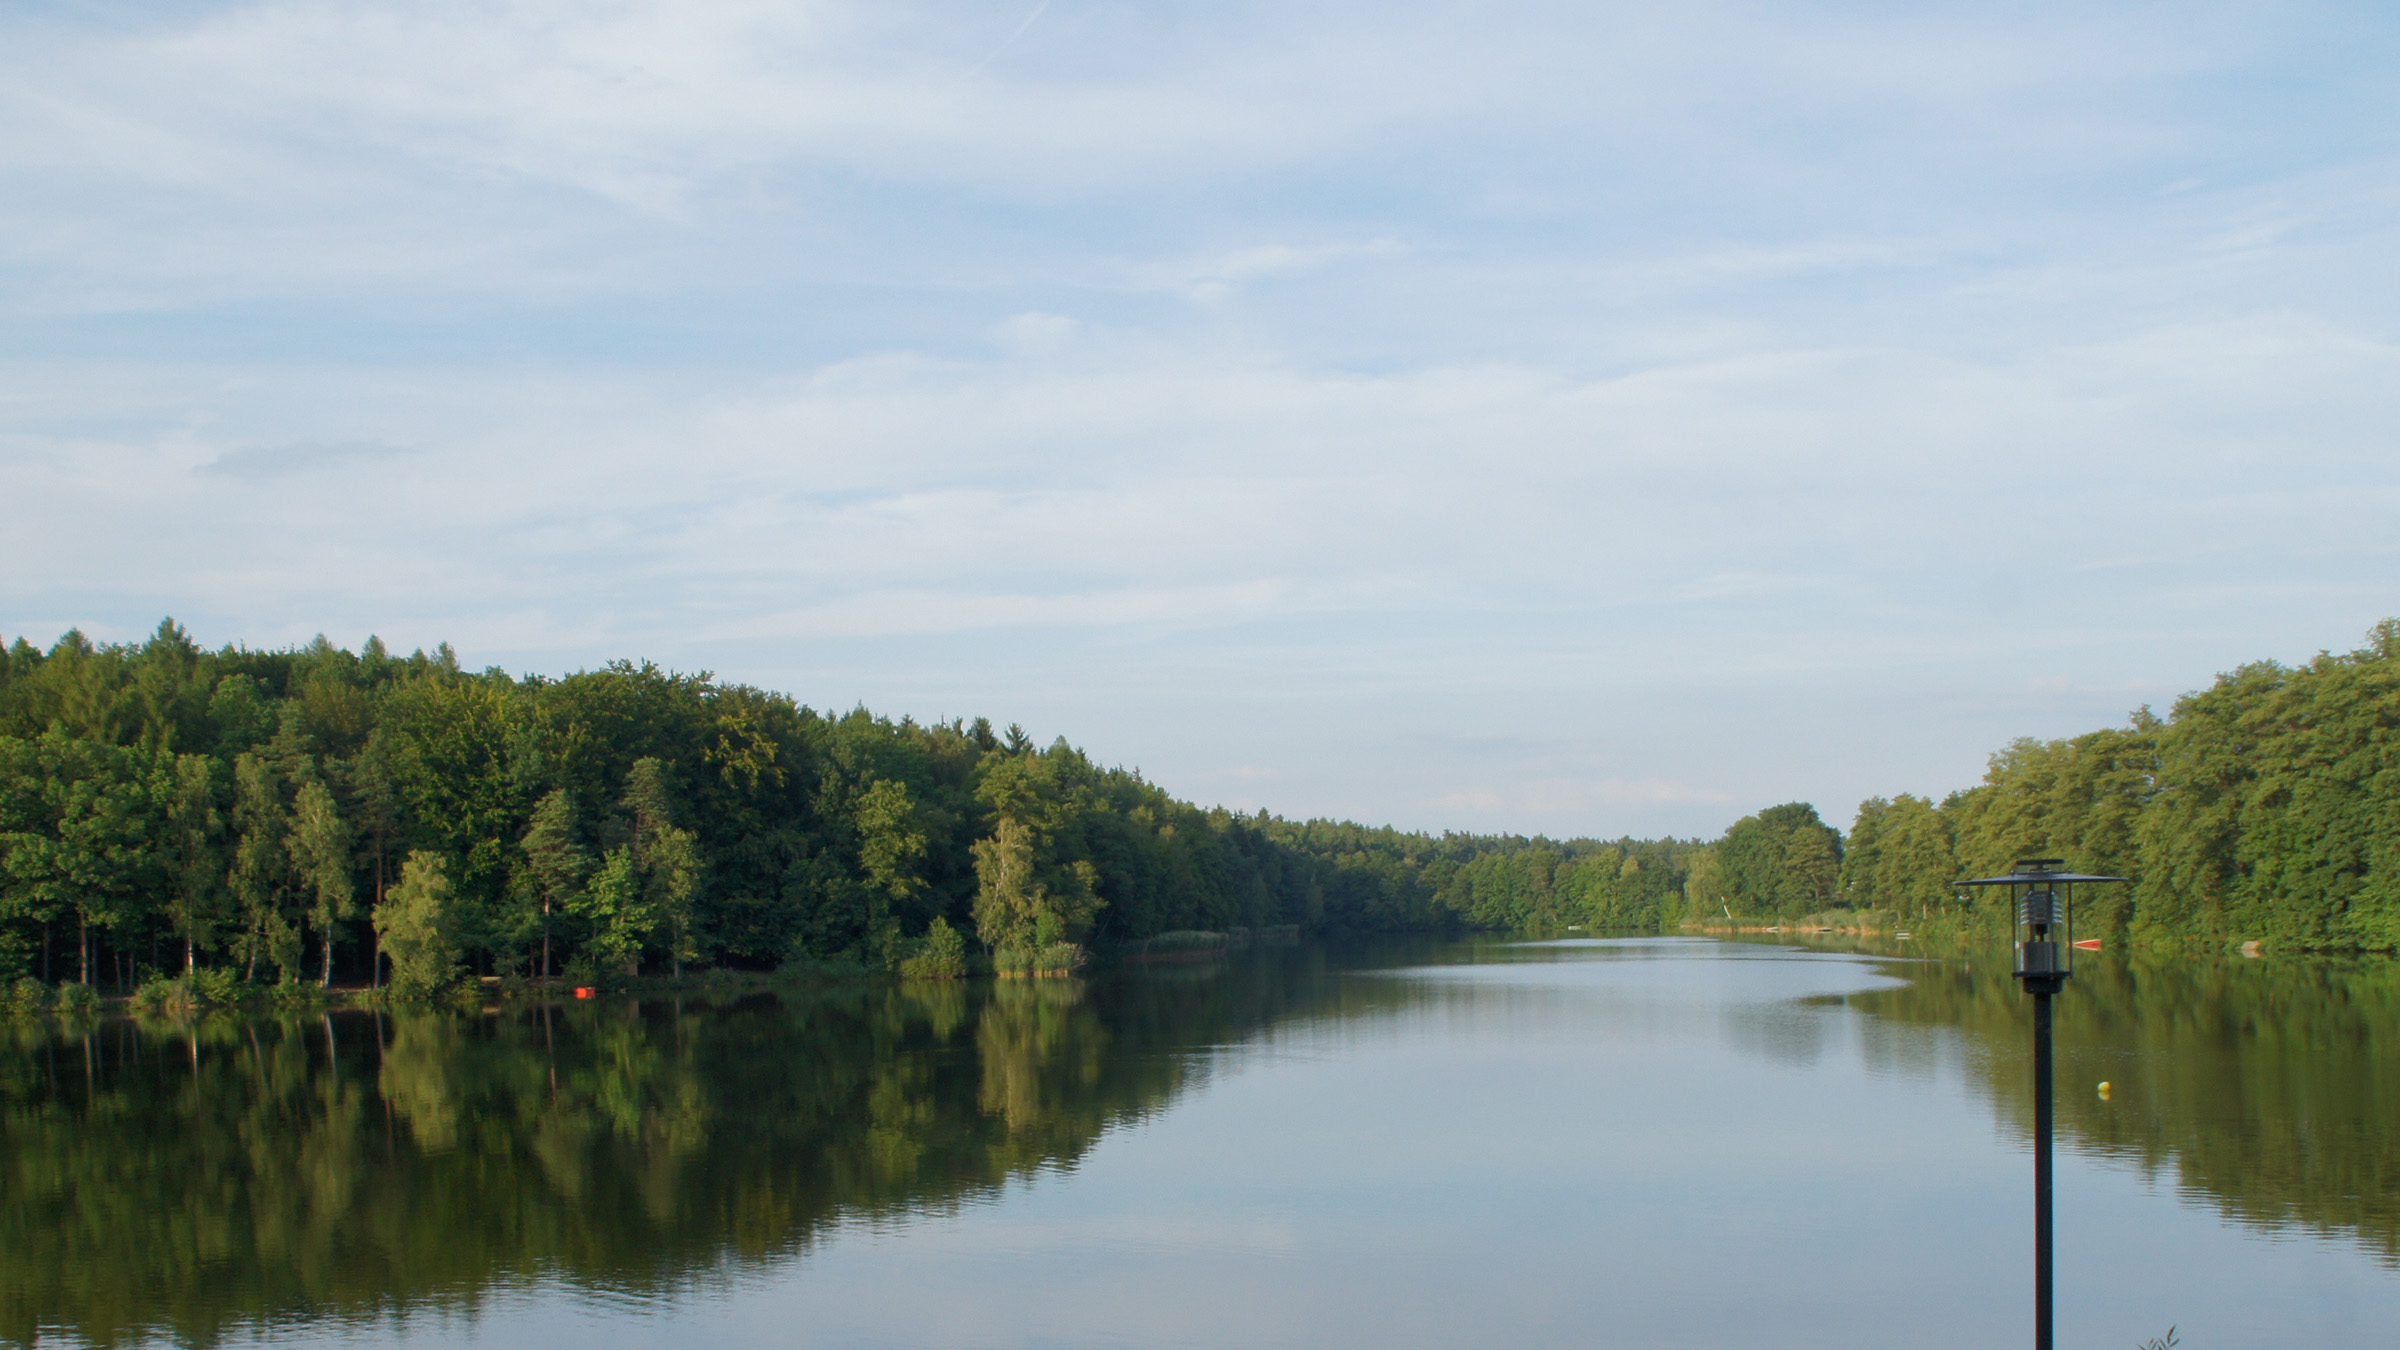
(2035, 872)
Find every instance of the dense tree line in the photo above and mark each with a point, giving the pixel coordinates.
(314, 814)
(2266, 807)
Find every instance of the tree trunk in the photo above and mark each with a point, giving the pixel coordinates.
(375, 976)
(545, 937)
(83, 949)
(191, 961)
(326, 980)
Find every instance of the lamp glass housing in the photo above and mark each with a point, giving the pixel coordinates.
(2044, 919)
(2041, 911)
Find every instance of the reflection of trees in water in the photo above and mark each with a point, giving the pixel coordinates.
(205, 1175)
(1786, 1033)
(2268, 1087)
(198, 1176)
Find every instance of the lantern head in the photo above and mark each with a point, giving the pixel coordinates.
(2041, 897)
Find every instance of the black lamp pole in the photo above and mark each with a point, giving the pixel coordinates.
(2041, 1159)
(2042, 918)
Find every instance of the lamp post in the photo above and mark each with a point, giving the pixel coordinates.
(2042, 920)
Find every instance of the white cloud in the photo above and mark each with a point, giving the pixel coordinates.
(276, 461)
(281, 146)
(951, 497)
(1235, 386)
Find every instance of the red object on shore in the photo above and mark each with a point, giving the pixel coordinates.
(2088, 945)
(583, 991)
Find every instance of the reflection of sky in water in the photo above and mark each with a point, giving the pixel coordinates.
(1653, 1143)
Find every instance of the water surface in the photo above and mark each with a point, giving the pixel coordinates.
(1648, 1142)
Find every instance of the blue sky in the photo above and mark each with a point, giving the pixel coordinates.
(1560, 417)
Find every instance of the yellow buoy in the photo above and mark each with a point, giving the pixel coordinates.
(2104, 1091)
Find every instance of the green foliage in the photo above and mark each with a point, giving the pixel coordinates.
(1783, 861)
(1035, 883)
(416, 924)
(27, 997)
(1054, 961)
(1900, 857)
(242, 809)
(216, 987)
(1541, 886)
(2166, 1342)
(2260, 810)
(667, 858)
(193, 852)
(943, 955)
(76, 1000)
(159, 993)
(321, 865)
(619, 915)
(555, 864)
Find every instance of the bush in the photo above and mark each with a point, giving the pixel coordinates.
(215, 988)
(77, 1000)
(299, 994)
(1052, 962)
(27, 997)
(161, 993)
(942, 956)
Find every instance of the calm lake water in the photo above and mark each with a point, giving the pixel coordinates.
(1645, 1143)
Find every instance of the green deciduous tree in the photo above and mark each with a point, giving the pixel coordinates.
(320, 848)
(618, 911)
(262, 876)
(1783, 861)
(416, 926)
(1034, 885)
(193, 854)
(666, 858)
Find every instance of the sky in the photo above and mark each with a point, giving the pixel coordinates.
(1588, 419)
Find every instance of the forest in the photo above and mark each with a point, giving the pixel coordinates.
(314, 815)
(308, 816)
(2264, 808)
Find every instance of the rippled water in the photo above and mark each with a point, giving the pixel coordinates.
(1649, 1142)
